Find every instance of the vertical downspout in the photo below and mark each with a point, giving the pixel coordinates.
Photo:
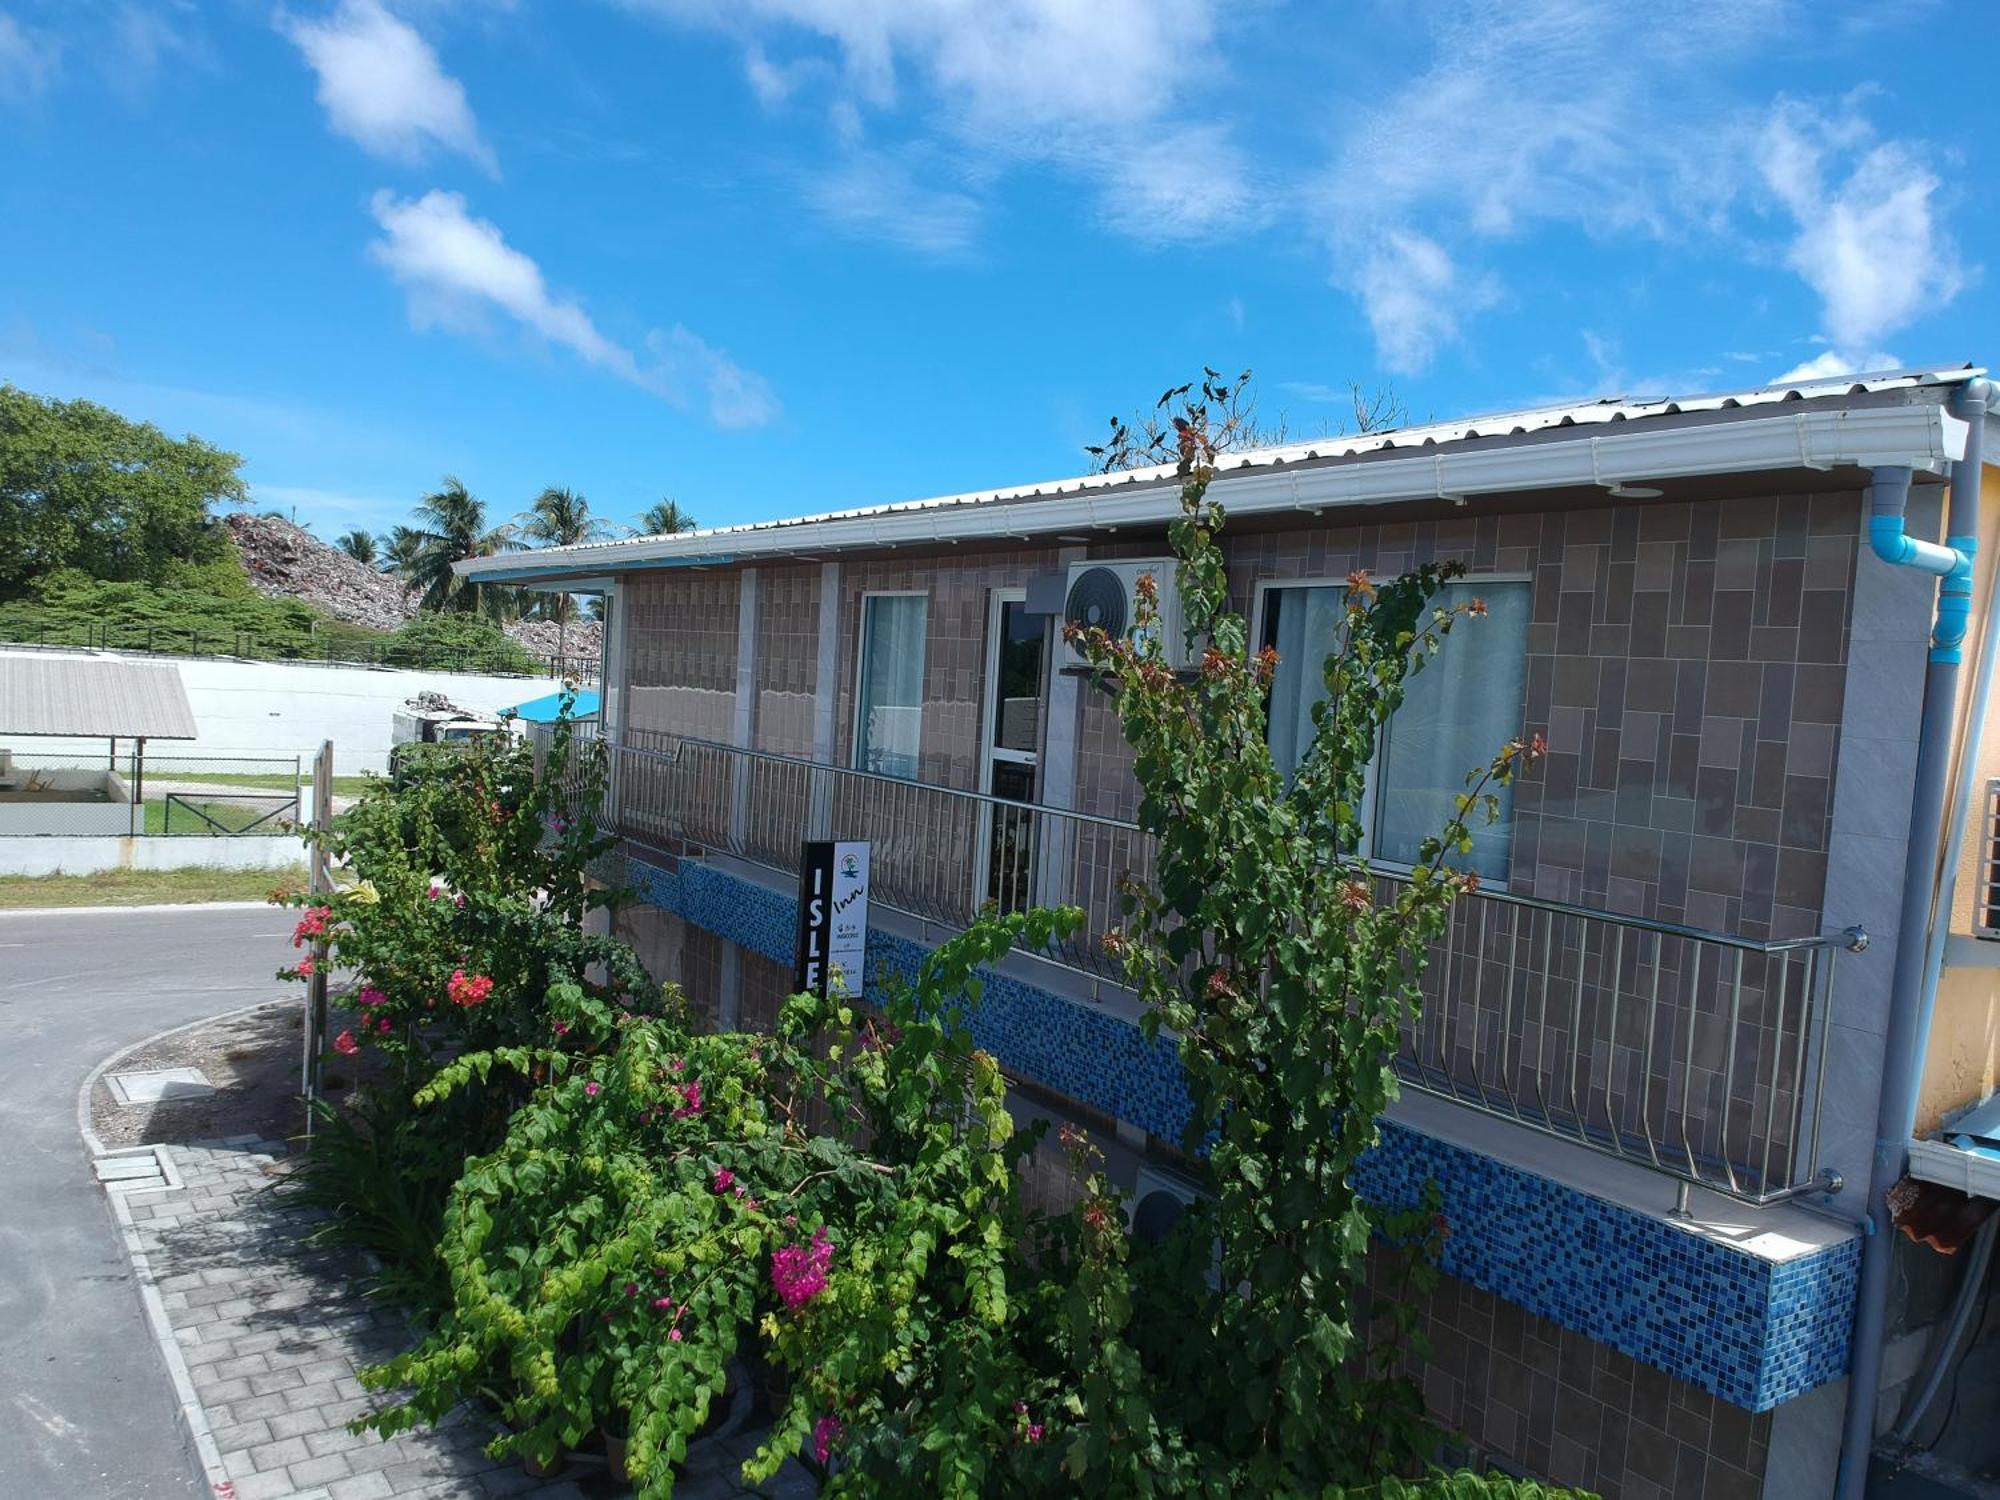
(1910, 995)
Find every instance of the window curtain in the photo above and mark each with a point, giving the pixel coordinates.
(1456, 714)
(1309, 619)
(892, 684)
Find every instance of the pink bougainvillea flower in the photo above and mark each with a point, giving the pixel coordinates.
(345, 1044)
(690, 1101)
(384, 1025)
(723, 1177)
(371, 996)
(435, 893)
(798, 1273)
(664, 1304)
(826, 1432)
(674, 1334)
(561, 1028)
(468, 992)
(306, 968)
(1034, 1432)
(459, 901)
(591, 1088)
(311, 925)
(631, 1288)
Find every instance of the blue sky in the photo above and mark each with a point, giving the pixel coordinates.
(773, 256)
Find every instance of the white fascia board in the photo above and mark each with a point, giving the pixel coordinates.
(1921, 435)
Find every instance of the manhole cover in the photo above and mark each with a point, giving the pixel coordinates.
(160, 1083)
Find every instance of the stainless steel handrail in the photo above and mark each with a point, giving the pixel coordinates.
(1697, 1054)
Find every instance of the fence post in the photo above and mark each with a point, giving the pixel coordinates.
(320, 883)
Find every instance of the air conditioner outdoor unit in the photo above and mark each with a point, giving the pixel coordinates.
(1105, 594)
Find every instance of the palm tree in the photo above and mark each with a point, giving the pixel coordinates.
(452, 523)
(400, 551)
(665, 519)
(358, 545)
(560, 518)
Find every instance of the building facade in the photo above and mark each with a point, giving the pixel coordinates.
(1655, 1045)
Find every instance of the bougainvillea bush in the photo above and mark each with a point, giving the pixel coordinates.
(462, 898)
(837, 1200)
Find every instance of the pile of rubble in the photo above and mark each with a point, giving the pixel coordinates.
(287, 562)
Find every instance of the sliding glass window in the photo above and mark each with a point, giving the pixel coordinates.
(889, 695)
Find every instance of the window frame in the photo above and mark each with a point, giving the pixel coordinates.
(862, 631)
(1370, 790)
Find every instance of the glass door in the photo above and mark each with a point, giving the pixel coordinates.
(1016, 658)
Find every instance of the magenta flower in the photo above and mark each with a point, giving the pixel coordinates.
(799, 1274)
(674, 1334)
(306, 967)
(631, 1288)
(384, 1025)
(345, 1044)
(723, 1177)
(371, 996)
(663, 1304)
(690, 1101)
(826, 1432)
(1034, 1432)
(591, 1089)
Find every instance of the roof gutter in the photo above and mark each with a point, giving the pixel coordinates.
(1917, 435)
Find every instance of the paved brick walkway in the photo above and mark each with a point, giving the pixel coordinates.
(273, 1333)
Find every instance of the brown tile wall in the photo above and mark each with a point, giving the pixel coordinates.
(683, 654)
(787, 659)
(675, 952)
(764, 985)
(1578, 1413)
(959, 585)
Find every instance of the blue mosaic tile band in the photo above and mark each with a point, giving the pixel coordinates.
(1753, 1332)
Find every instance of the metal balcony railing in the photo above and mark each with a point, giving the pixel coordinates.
(1696, 1054)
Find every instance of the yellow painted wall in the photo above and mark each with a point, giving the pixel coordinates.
(1963, 1063)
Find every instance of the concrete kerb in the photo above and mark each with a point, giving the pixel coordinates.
(201, 1432)
(155, 908)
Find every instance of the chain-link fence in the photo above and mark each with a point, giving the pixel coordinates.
(134, 793)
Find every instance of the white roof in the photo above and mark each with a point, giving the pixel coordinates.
(97, 699)
(1002, 514)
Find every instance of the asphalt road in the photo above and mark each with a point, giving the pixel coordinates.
(86, 1408)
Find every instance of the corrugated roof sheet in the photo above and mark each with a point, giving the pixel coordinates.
(97, 699)
(1434, 435)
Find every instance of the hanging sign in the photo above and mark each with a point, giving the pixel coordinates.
(833, 916)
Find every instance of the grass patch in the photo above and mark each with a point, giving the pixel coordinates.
(255, 815)
(343, 786)
(144, 887)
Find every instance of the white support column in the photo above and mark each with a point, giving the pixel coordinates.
(743, 724)
(826, 699)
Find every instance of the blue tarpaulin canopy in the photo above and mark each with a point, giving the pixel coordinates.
(548, 710)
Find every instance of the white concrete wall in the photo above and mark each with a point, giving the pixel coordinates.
(288, 708)
(88, 855)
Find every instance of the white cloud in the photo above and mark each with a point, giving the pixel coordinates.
(1869, 240)
(30, 60)
(455, 269)
(1415, 297)
(381, 85)
(736, 397)
(876, 195)
(1832, 364)
(1089, 85)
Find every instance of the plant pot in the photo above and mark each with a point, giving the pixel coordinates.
(614, 1456)
(535, 1468)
